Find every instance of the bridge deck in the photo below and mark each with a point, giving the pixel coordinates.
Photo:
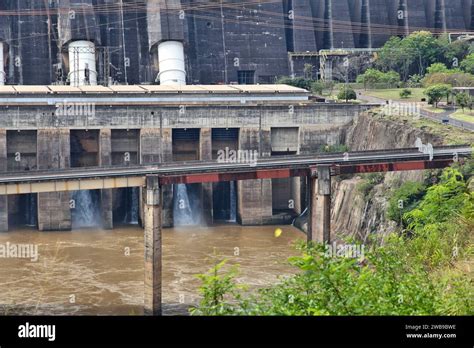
(214, 171)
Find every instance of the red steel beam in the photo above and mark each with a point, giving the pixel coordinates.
(252, 173)
(392, 167)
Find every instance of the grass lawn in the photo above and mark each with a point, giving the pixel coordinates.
(431, 108)
(465, 116)
(394, 94)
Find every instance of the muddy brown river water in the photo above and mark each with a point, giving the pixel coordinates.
(95, 272)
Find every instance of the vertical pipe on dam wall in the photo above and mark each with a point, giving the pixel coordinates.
(328, 40)
(3, 168)
(402, 17)
(440, 20)
(366, 32)
(471, 27)
(2, 64)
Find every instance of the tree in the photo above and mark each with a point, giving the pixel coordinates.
(373, 76)
(437, 68)
(436, 92)
(414, 81)
(425, 49)
(405, 93)
(394, 56)
(463, 100)
(296, 82)
(317, 87)
(456, 79)
(404, 199)
(414, 53)
(468, 64)
(347, 93)
(453, 52)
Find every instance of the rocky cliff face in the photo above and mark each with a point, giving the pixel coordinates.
(352, 213)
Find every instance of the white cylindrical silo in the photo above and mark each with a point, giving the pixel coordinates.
(171, 63)
(82, 65)
(2, 66)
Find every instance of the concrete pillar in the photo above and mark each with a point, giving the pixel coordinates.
(319, 226)
(296, 194)
(53, 152)
(105, 159)
(3, 168)
(150, 152)
(156, 146)
(205, 149)
(167, 156)
(152, 291)
(255, 196)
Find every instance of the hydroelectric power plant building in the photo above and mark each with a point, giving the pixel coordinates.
(80, 89)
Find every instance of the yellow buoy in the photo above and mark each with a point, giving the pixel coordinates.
(278, 232)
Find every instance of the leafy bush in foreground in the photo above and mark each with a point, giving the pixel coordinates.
(415, 273)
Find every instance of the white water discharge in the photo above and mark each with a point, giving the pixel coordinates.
(184, 212)
(85, 211)
(131, 216)
(233, 202)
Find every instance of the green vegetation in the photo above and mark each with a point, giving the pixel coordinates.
(463, 100)
(405, 199)
(462, 116)
(334, 148)
(368, 183)
(394, 94)
(405, 93)
(372, 77)
(296, 82)
(418, 51)
(347, 93)
(215, 289)
(419, 272)
(468, 64)
(436, 68)
(317, 87)
(436, 92)
(455, 79)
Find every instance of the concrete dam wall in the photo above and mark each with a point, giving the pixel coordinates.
(224, 41)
